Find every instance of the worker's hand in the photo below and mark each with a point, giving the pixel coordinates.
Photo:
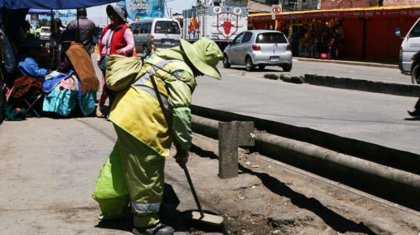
(181, 157)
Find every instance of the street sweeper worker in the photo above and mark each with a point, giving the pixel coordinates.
(144, 137)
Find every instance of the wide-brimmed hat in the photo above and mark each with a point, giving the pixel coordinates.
(204, 55)
(122, 13)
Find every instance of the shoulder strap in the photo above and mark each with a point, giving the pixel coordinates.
(161, 64)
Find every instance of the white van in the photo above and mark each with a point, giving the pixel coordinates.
(150, 34)
(409, 57)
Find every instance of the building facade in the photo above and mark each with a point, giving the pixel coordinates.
(364, 34)
(340, 4)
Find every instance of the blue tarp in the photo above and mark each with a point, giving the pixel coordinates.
(51, 4)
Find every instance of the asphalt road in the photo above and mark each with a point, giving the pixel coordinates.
(337, 68)
(372, 117)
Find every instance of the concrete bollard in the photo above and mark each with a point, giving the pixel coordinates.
(231, 136)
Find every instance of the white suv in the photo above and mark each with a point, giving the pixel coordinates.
(45, 33)
(259, 48)
(150, 34)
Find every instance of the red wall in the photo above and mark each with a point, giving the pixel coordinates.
(381, 42)
(353, 32)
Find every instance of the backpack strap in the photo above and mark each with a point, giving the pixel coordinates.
(141, 82)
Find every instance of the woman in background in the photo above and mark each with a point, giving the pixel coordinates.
(116, 38)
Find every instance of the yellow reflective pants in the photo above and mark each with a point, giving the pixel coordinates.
(144, 177)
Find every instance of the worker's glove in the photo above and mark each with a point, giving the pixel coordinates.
(181, 157)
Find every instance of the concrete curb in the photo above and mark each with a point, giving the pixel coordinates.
(352, 84)
(363, 85)
(399, 159)
(388, 182)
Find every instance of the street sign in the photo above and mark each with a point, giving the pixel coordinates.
(276, 9)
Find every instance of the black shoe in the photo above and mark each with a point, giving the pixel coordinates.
(415, 113)
(158, 229)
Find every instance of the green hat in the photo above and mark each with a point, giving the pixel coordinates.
(204, 55)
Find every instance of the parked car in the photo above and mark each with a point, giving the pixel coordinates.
(259, 48)
(410, 52)
(45, 33)
(150, 34)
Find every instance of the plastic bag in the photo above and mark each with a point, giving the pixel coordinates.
(60, 101)
(102, 66)
(110, 190)
(87, 103)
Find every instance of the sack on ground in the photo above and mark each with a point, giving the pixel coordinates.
(63, 98)
(60, 101)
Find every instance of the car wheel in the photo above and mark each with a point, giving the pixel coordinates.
(415, 74)
(249, 65)
(261, 67)
(226, 63)
(287, 67)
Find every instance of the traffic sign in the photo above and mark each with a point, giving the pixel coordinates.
(276, 9)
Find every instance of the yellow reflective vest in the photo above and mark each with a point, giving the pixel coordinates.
(136, 108)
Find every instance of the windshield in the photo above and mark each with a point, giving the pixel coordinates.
(271, 38)
(169, 27)
(45, 30)
(415, 32)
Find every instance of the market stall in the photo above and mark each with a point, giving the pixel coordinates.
(13, 25)
(358, 33)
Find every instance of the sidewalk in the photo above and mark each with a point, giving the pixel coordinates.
(48, 168)
(351, 62)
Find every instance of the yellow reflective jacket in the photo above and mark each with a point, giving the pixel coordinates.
(136, 108)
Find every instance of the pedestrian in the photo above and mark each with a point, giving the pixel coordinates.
(83, 30)
(146, 126)
(116, 38)
(332, 47)
(416, 112)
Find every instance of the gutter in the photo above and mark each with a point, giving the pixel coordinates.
(388, 182)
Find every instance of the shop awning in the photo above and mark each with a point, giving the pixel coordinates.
(51, 4)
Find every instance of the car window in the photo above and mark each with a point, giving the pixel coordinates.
(416, 31)
(273, 37)
(238, 39)
(135, 28)
(145, 28)
(247, 37)
(170, 27)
